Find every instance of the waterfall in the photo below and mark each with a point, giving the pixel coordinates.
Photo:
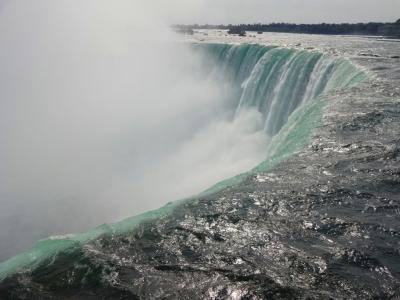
(286, 86)
(277, 81)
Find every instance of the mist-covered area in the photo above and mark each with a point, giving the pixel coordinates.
(105, 114)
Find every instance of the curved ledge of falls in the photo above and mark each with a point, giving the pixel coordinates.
(286, 229)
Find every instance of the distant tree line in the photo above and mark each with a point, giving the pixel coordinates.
(372, 28)
(184, 30)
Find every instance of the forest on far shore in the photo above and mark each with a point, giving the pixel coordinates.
(372, 28)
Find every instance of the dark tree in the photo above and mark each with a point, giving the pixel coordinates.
(237, 30)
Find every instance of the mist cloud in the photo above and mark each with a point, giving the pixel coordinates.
(104, 114)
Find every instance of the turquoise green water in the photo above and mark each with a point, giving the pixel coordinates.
(286, 86)
(276, 81)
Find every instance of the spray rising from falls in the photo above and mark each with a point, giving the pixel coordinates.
(286, 87)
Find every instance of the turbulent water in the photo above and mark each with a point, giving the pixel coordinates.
(308, 222)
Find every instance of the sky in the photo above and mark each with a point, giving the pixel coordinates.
(297, 11)
(266, 11)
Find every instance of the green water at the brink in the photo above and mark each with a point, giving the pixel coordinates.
(286, 86)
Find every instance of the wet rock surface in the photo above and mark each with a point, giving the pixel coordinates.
(322, 225)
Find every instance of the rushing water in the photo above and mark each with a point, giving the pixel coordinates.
(318, 219)
(286, 86)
